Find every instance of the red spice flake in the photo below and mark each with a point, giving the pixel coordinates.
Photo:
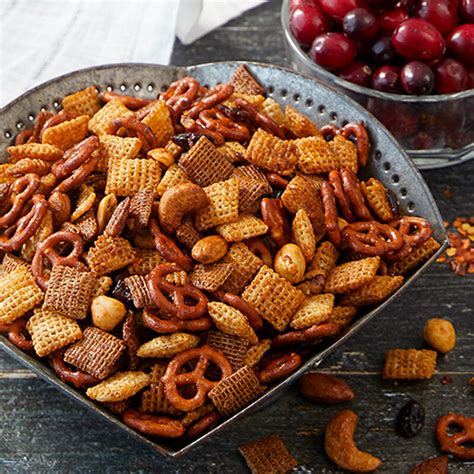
(471, 382)
(446, 380)
(448, 193)
(460, 254)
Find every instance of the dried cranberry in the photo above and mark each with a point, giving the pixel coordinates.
(121, 291)
(332, 51)
(392, 19)
(337, 9)
(307, 22)
(186, 140)
(418, 40)
(357, 73)
(466, 8)
(461, 43)
(360, 24)
(440, 13)
(411, 419)
(417, 78)
(451, 76)
(387, 79)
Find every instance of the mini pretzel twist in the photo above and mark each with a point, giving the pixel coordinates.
(309, 335)
(132, 103)
(340, 196)
(216, 121)
(261, 250)
(214, 96)
(359, 131)
(181, 94)
(273, 214)
(152, 319)
(153, 425)
(203, 424)
(174, 377)
(46, 250)
(243, 306)
(66, 374)
(57, 119)
(330, 214)
(280, 367)
(196, 127)
(261, 120)
(453, 444)
(177, 307)
(353, 191)
(42, 118)
(135, 127)
(16, 235)
(16, 333)
(78, 176)
(168, 249)
(20, 192)
(277, 181)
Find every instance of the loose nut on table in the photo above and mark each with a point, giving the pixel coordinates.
(107, 312)
(325, 388)
(440, 334)
(290, 263)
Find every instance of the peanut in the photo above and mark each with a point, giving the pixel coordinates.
(325, 388)
(209, 249)
(440, 334)
(290, 263)
(107, 312)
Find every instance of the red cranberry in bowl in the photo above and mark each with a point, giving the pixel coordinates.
(466, 7)
(300, 3)
(390, 20)
(418, 40)
(307, 22)
(382, 52)
(360, 24)
(333, 51)
(337, 9)
(417, 78)
(461, 43)
(440, 13)
(450, 76)
(381, 4)
(387, 79)
(357, 73)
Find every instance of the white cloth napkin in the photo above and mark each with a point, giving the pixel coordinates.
(41, 39)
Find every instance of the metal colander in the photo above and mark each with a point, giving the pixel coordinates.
(387, 162)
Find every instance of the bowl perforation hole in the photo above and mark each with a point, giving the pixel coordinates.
(109, 87)
(333, 116)
(56, 104)
(322, 109)
(411, 206)
(387, 166)
(8, 134)
(31, 117)
(395, 179)
(270, 90)
(296, 97)
(309, 103)
(150, 87)
(283, 92)
(164, 87)
(403, 192)
(123, 87)
(20, 125)
(377, 155)
(344, 123)
(137, 86)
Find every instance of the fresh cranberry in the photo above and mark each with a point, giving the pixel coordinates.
(451, 76)
(466, 8)
(382, 52)
(381, 4)
(418, 40)
(440, 13)
(387, 79)
(357, 73)
(337, 9)
(299, 3)
(360, 24)
(390, 20)
(332, 51)
(307, 22)
(461, 43)
(417, 78)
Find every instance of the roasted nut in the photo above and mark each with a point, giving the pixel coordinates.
(290, 263)
(440, 334)
(340, 447)
(60, 206)
(325, 388)
(107, 312)
(178, 201)
(438, 465)
(209, 249)
(105, 210)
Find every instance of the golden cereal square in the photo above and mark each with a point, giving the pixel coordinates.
(127, 177)
(67, 134)
(416, 258)
(315, 156)
(343, 315)
(268, 455)
(373, 292)
(245, 265)
(145, 261)
(409, 364)
(51, 331)
(271, 153)
(377, 197)
(84, 102)
(314, 310)
(275, 299)
(210, 277)
(19, 294)
(159, 121)
(173, 176)
(118, 148)
(233, 151)
(300, 125)
(345, 152)
(255, 353)
(272, 108)
(302, 234)
(223, 207)
(244, 227)
(109, 254)
(352, 275)
(324, 259)
(99, 123)
(204, 164)
(253, 184)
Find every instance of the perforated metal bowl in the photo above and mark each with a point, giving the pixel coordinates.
(387, 162)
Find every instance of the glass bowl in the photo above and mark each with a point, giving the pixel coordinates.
(435, 130)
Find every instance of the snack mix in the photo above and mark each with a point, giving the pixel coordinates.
(173, 258)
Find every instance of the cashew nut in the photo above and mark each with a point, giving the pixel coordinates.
(179, 201)
(209, 249)
(340, 446)
(290, 263)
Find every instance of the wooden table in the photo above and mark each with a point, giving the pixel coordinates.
(42, 430)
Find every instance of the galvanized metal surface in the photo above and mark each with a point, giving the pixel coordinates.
(323, 104)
